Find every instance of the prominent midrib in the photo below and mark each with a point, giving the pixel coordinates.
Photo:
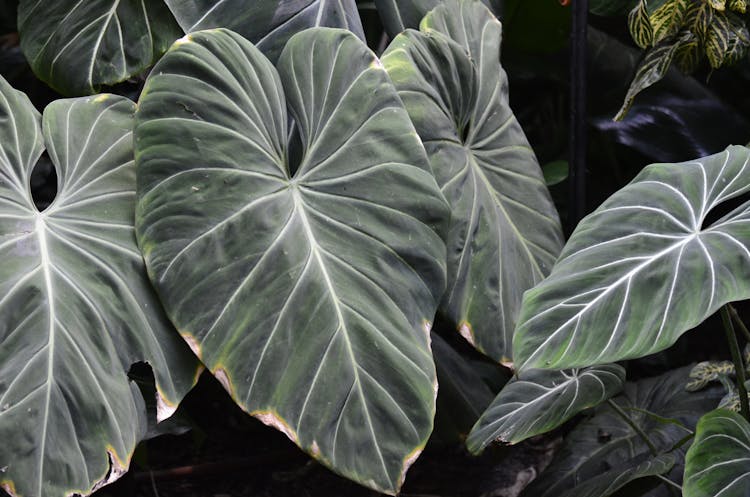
(41, 228)
(309, 234)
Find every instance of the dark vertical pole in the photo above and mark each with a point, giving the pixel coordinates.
(578, 143)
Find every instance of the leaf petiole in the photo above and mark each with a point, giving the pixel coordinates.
(739, 364)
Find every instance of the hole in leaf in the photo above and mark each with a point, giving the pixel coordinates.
(43, 182)
(723, 209)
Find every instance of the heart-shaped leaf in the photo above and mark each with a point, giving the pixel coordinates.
(505, 234)
(541, 400)
(625, 284)
(307, 288)
(605, 441)
(614, 480)
(718, 462)
(76, 46)
(267, 23)
(76, 306)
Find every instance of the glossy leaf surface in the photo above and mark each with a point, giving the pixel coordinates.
(718, 462)
(267, 23)
(505, 234)
(76, 306)
(76, 46)
(541, 400)
(642, 269)
(307, 287)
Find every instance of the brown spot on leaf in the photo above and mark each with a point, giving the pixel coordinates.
(9, 487)
(464, 328)
(272, 419)
(193, 344)
(223, 378)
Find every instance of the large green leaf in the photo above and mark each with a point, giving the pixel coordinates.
(718, 462)
(541, 400)
(642, 269)
(605, 441)
(505, 233)
(76, 46)
(267, 23)
(76, 306)
(307, 288)
(398, 15)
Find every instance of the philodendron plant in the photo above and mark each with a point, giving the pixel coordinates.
(636, 274)
(299, 211)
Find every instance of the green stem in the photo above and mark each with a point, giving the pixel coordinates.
(739, 364)
(738, 321)
(634, 426)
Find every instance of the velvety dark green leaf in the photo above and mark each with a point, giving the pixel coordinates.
(307, 288)
(505, 234)
(76, 46)
(76, 307)
(267, 23)
(642, 269)
(718, 462)
(605, 441)
(612, 481)
(541, 400)
(398, 15)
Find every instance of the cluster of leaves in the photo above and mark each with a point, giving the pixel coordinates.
(684, 33)
(298, 210)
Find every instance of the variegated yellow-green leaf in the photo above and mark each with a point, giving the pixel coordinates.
(640, 25)
(719, 5)
(504, 234)
(727, 41)
(76, 306)
(731, 400)
(738, 5)
(668, 19)
(699, 20)
(718, 462)
(541, 400)
(623, 286)
(689, 54)
(306, 283)
(76, 47)
(267, 23)
(705, 372)
(652, 69)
